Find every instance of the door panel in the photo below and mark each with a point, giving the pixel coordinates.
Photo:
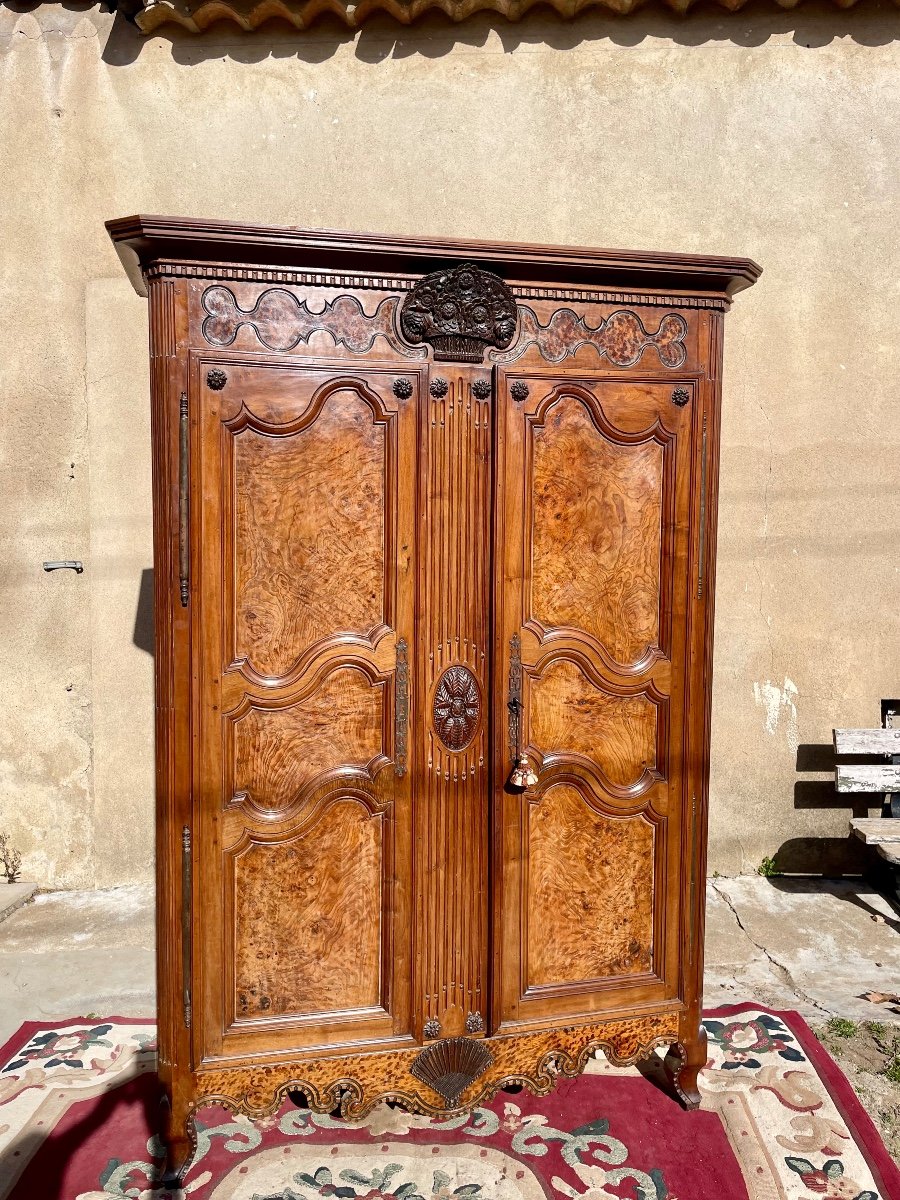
(592, 474)
(307, 940)
(302, 499)
(307, 529)
(595, 529)
(589, 870)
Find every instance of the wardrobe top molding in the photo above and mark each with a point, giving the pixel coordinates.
(145, 241)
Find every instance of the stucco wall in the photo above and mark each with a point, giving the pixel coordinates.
(773, 135)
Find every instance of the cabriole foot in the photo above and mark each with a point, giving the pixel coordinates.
(684, 1062)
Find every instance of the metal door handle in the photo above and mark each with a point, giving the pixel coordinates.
(523, 774)
(401, 708)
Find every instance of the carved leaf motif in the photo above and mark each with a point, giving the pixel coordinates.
(457, 707)
(621, 338)
(281, 321)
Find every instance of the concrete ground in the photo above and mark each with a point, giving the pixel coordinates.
(808, 944)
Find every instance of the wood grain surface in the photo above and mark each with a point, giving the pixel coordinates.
(452, 801)
(356, 1083)
(570, 714)
(867, 777)
(310, 535)
(307, 937)
(590, 891)
(867, 741)
(277, 751)
(876, 831)
(590, 888)
(596, 532)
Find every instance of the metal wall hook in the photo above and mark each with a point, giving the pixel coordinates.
(70, 564)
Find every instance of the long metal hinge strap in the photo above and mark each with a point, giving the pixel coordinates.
(692, 902)
(401, 707)
(183, 512)
(186, 884)
(701, 559)
(514, 701)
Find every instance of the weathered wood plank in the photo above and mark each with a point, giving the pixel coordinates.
(868, 778)
(867, 741)
(876, 831)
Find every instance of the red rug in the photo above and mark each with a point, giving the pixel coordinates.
(778, 1120)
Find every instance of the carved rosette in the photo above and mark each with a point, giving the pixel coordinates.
(460, 314)
(456, 708)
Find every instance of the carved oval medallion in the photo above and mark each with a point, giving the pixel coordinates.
(457, 707)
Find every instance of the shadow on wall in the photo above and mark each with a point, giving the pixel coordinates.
(814, 24)
(143, 617)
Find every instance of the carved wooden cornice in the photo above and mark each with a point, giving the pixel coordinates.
(162, 246)
(196, 16)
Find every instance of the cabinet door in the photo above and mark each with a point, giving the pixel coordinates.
(592, 591)
(303, 526)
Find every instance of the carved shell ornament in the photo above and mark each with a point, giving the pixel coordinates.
(460, 313)
(449, 1066)
(456, 708)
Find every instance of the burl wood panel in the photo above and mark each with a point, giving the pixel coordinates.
(452, 803)
(596, 531)
(570, 714)
(278, 751)
(590, 891)
(357, 1082)
(310, 538)
(308, 915)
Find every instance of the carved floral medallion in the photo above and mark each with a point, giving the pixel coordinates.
(461, 313)
(457, 707)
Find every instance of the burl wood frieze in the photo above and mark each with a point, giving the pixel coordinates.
(434, 529)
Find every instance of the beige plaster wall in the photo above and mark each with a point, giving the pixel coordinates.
(773, 135)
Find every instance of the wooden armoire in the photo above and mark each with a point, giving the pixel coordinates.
(435, 528)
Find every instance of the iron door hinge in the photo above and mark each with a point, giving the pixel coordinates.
(186, 884)
(184, 552)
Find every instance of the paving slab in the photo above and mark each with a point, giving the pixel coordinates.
(13, 896)
(815, 945)
(78, 953)
(809, 944)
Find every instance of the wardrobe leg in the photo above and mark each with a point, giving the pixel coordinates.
(180, 1136)
(684, 1062)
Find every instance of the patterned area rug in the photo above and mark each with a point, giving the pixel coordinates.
(778, 1120)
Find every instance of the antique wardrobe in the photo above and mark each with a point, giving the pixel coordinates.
(434, 540)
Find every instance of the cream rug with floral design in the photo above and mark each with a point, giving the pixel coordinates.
(778, 1121)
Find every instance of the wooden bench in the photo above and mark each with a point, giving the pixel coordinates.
(881, 832)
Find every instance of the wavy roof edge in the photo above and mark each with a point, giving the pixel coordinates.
(249, 16)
